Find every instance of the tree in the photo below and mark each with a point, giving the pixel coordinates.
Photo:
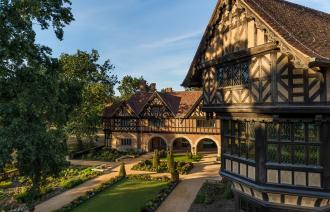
(170, 160)
(94, 84)
(172, 167)
(130, 85)
(155, 160)
(122, 171)
(33, 103)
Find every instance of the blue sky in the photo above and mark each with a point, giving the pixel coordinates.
(156, 39)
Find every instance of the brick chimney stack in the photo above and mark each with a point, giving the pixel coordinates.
(168, 90)
(143, 86)
(153, 87)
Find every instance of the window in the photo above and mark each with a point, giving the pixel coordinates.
(295, 143)
(126, 141)
(203, 123)
(239, 138)
(157, 123)
(233, 75)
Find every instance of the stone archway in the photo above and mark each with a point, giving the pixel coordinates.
(207, 145)
(181, 145)
(157, 143)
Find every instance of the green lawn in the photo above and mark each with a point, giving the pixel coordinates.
(126, 196)
(183, 157)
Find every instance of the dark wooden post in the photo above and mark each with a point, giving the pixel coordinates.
(260, 133)
(325, 156)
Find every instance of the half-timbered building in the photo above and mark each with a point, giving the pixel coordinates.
(264, 66)
(161, 120)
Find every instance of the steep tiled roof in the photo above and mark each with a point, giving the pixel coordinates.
(110, 109)
(304, 28)
(180, 103)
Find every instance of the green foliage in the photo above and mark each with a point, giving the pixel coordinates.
(228, 193)
(33, 107)
(5, 184)
(109, 155)
(130, 85)
(209, 193)
(170, 160)
(122, 170)
(93, 84)
(90, 194)
(155, 159)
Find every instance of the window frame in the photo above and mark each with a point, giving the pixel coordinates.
(126, 142)
(293, 145)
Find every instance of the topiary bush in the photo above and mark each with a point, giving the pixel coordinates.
(155, 160)
(122, 170)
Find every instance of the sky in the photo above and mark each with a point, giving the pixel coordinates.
(156, 39)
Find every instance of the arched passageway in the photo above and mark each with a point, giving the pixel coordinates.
(181, 145)
(157, 143)
(207, 146)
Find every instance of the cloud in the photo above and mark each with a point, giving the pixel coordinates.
(172, 40)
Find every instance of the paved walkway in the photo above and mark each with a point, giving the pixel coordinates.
(65, 198)
(184, 194)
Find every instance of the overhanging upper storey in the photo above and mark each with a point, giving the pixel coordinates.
(263, 53)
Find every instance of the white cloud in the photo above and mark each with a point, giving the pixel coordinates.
(171, 40)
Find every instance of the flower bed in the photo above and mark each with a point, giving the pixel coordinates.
(150, 204)
(14, 193)
(153, 205)
(146, 165)
(105, 154)
(75, 203)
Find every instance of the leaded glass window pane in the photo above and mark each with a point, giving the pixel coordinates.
(285, 131)
(286, 154)
(271, 131)
(243, 148)
(245, 73)
(252, 126)
(242, 128)
(314, 155)
(313, 132)
(299, 131)
(272, 153)
(235, 147)
(299, 154)
(226, 77)
(220, 77)
(227, 144)
(236, 78)
(251, 150)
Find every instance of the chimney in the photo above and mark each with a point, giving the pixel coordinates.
(143, 85)
(168, 90)
(153, 87)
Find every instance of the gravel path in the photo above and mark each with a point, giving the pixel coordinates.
(184, 194)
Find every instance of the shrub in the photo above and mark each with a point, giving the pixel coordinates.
(228, 193)
(6, 184)
(170, 160)
(23, 195)
(155, 161)
(122, 171)
(67, 184)
(153, 205)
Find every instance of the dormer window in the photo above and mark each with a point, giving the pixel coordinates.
(233, 75)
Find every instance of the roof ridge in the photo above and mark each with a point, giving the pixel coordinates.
(304, 7)
(284, 28)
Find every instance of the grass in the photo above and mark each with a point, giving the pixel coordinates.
(127, 195)
(183, 157)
